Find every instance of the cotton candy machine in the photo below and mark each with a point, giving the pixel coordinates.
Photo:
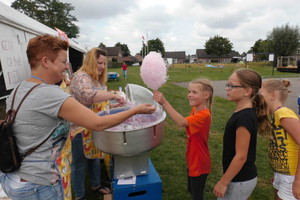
(130, 141)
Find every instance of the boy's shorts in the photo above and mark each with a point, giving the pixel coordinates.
(284, 185)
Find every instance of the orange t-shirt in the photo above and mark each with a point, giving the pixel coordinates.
(197, 153)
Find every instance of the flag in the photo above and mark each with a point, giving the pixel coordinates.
(143, 39)
(62, 34)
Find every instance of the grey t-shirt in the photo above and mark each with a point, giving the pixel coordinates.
(35, 121)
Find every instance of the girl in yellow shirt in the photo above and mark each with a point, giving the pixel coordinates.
(284, 141)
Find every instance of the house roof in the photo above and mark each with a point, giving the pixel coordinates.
(201, 53)
(175, 54)
(138, 57)
(129, 59)
(112, 51)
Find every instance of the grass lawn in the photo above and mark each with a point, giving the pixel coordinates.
(169, 157)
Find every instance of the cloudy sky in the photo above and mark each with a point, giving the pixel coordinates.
(182, 25)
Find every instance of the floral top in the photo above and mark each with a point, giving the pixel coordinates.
(83, 88)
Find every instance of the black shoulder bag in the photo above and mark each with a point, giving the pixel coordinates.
(10, 158)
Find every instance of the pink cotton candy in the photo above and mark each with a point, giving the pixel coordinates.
(154, 70)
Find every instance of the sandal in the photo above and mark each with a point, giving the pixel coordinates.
(82, 198)
(102, 190)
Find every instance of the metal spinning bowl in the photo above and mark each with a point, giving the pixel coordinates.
(131, 142)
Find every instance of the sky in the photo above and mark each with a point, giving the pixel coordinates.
(182, 25)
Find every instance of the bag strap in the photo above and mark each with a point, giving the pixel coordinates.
(11, 113)
(11, 116)
(15, 114)
(34, 148)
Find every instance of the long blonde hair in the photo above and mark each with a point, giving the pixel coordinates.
(206, 85)
(90, 66)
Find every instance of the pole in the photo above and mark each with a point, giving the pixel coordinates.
(142, 49)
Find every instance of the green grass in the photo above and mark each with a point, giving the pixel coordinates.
(188, 72)
(169, 157)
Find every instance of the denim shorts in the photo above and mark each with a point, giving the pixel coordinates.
(17, 190)
(284, 185)
(239, 190)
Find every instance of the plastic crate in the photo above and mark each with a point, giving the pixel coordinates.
(147, 187)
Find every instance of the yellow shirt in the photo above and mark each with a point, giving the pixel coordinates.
(283, 150)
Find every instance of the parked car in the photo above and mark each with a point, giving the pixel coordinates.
(113, 76)
(136, 64)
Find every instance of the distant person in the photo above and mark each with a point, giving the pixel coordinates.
(284, 144)
(124, 68)
(197, 127)
(239, 140)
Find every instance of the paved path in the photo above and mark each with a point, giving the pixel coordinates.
(219, 90)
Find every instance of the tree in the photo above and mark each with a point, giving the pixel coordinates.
(124, 49)
(101, 45)
(261, 48)
(284, 40)
(154, 45)
(218, 46)
(52, 13)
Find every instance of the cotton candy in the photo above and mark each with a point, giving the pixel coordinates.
(154, 70)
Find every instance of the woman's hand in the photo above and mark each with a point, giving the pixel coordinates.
(121, 101)
(145, 109)
(159, 97)
(220, 189)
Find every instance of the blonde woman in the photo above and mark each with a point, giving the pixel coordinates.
(88, 86)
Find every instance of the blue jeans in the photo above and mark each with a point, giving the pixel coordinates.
(17, 190)
(125, 73)
(79, 165)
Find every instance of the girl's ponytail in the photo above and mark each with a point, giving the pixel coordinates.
(262, 113)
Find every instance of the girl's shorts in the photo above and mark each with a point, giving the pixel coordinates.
(284, 185)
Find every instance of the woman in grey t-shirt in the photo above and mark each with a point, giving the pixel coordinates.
(47, 110)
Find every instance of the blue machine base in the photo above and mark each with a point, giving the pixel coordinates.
(147, 187)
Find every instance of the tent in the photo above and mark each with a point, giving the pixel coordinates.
(16, 29)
